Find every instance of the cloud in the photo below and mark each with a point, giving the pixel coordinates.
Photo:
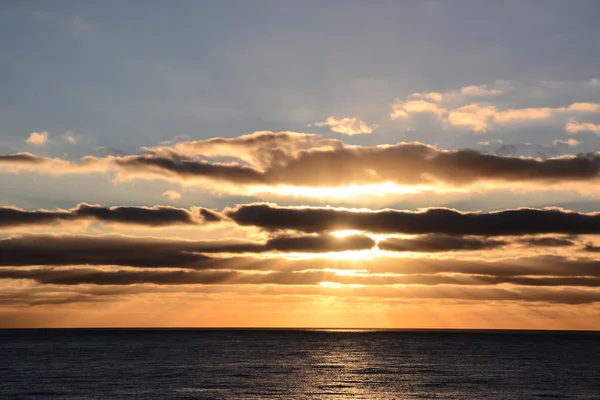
(523, 221)
(574, 127)
(37, 138)
(460, 95)
(156, 216)
(548, 242)
(165, 253)
(347, 126)
(70, 137)
(35, 299)
(457, 109)
(481, 90)
(174, 254)
(570, 142)
(474, 116)
(71, 250)
(77, 262)
(172, 195)
(432, 243)
(64, 250)
(79, 276)
(367, 293)
(258, 148)
(525, 294)
(269, 161)
(321, 243)
(506, 267)
(439, 243)
(54, 166)
(404, 109)
(480, 116)
(585, 107)
(435, 96)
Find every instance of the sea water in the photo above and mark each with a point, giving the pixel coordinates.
(297, 364)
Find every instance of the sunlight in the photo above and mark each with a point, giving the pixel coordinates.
(347, 272)
(350, 255)
(345, 233)
(377, 237)
(382, 189)
(336, 285)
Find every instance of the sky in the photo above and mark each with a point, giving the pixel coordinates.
(384, 164)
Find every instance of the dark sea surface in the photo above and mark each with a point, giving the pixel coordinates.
(297, 364)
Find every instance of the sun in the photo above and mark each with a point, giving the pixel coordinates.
(345, 233)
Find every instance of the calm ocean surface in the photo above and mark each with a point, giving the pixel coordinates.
(298, 364)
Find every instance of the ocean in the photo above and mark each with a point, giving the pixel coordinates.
(297, 364)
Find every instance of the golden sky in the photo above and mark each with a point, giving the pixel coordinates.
(271, 264)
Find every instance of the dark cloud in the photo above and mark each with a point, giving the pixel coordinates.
(155, 253)
(321, 243)
(146, 216)
(446, 243)
(591, 248)
(32, 300)
(509, 267)
(522, 221)
(121, 277)
(404, 163)
(24, 158)
(523, 294)
(548, 241)
(95, 276)
(63, 286)
(302, 160)
(187, 169)
(86, 250)
(209, 215)
(259, 148)
(539, 150)
(74, 250)
(439, 243)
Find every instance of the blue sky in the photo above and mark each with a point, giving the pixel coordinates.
(125, 75)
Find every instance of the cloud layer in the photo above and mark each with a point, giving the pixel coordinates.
(446, 221)
(145, 216)
(267, 159)
(532, 256)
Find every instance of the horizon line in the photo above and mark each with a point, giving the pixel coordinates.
(315, 329)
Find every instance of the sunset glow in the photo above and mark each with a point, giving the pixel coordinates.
(294, 164)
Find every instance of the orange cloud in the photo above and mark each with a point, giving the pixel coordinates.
(585, 107)
(570, 142)
(456, 108)
(577, 127)
(479, 116)
(474, 116)
(38, 138)
(172, 195)
(347, 126)
(479, 91)
(328, 167)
